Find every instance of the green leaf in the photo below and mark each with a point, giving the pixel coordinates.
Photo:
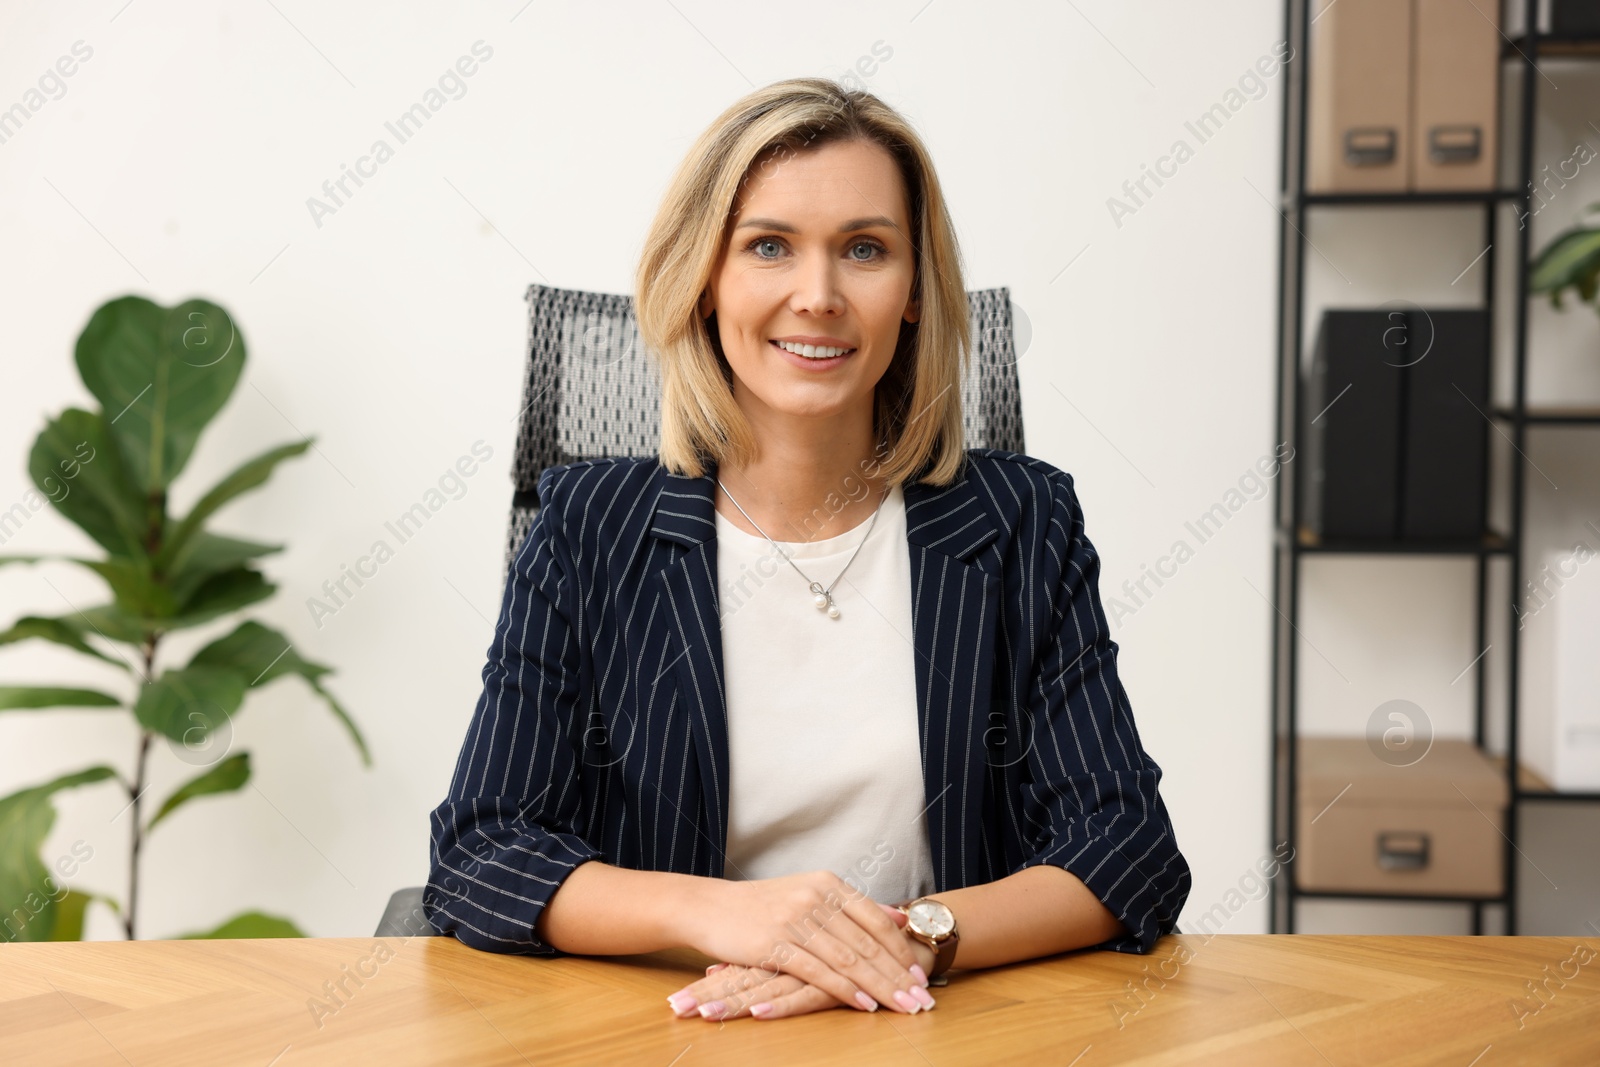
(110, 622)
(135, 589)
(76, 465)
(14, 697)
(344, 717)
(260, 654)
(186, 705)
(249, 475)
(29, 892)
(140, 594)
(217, 595)
(43, 558)
(207, 555)
(1572, 255)
(250, 924)
(165, 373)
(58, 630)
(131, 583)
(226, 777)
(70, 911)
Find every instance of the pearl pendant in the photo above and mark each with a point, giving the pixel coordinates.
(833, 611)
(821, 601)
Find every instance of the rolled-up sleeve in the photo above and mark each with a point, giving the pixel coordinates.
(1093, 787)
(506, 837)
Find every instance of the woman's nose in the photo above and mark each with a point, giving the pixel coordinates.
(816, 287)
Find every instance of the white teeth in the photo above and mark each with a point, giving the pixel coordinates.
(812, 351)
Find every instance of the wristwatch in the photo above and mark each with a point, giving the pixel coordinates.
(932, 923)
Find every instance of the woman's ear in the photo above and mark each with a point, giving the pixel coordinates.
(913, 310)
(705, 304)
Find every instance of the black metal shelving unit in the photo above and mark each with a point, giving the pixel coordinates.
(1292, 543)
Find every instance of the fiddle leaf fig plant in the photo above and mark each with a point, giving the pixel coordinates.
(160, 376)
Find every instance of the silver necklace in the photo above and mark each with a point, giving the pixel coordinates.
(823, 598)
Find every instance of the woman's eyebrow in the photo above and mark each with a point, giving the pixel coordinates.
(784, 227)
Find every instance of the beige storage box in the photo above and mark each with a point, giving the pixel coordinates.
(1455, 95)
(1358, 109)
(1429, 829)
(1403, 96)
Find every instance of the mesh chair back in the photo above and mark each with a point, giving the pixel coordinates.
(592, 389)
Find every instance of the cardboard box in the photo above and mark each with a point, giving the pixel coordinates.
(1403, 95)
(1432, 828)
(1454, 95)
(1358, 107)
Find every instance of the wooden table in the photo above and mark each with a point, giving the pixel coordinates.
(1278, 1000)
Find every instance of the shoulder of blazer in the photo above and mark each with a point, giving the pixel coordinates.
(592, 502)
(1011, 485)
(554, 478)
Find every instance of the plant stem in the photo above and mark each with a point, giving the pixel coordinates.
(138, 793)
(138, 832)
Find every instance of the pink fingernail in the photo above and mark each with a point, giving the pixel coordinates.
(922, 976)
(865, 1001)
(682, 1003)
(760, 1010)
(712, 1010)
(714, 968)
(923, 995)
(906, 1001)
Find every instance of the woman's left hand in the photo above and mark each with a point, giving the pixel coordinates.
(730, 991)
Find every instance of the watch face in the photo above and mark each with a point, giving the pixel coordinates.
(931, 918)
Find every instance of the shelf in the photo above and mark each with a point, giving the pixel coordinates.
(1521, 47)
(1532, 787)
(1351, 894)
(1491, 544)
(1524, 796)
(1528, 780)
(1471, 196)
(1575, 415)
(1516, 123)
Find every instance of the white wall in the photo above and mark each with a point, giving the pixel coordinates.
(179, 162)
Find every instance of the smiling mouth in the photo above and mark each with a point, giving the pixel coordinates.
(814, 352)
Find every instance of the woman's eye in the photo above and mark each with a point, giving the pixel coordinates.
(871, 246)
(759, 241)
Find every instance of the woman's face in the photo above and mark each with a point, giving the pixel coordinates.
(818, 255)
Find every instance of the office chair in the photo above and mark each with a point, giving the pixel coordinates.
(591, 390)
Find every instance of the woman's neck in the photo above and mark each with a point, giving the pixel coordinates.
(804, 487)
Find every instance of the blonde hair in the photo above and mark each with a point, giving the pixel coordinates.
(917, 406)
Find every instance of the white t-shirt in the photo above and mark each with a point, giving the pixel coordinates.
(823, 742)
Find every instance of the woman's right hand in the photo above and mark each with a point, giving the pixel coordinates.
(815, 926)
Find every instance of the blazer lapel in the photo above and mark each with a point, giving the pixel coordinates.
(955, 608)
(684, 514)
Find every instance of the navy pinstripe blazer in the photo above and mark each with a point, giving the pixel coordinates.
(601, 731)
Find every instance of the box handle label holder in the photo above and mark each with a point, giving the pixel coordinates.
(1403, 850)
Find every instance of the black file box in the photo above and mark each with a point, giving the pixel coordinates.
(1351, 428)
(1394, 426)
(1574, 18)
(1446, 429)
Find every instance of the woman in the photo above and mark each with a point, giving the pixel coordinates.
(694, 733)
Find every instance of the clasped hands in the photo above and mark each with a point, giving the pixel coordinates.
(801, 943)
